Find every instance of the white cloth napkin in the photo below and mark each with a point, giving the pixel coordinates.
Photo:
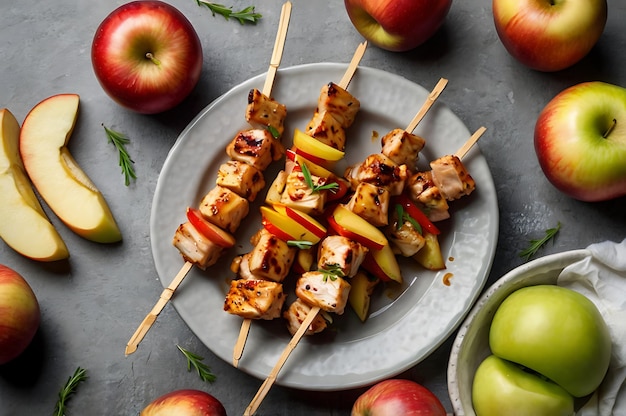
(602, 278)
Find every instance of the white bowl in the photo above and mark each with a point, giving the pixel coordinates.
(471, 345)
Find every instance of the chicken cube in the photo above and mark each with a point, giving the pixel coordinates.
(266, 113)
(330, 293)
(451, 177)
(253, 147)
(378, 170)
(422, 190)
(297, 312)
(404, 238)
(325, 128)
(195, 247)
(342, 252)
(370, 202)
(402, 147)
(224, 208)
(298, 194)
(255, 299)
(271, 258)
(342, 105)
(243, 179)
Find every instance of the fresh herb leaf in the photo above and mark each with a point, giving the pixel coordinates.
(196, 361)
(70, 387)
(301, 244)
(126, 163)
(404, 216)
(308, 179)
(273, 131)
(247, 15)
(331, 271)
(535, 245)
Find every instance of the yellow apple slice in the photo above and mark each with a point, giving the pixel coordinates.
(285, 227)
(24, 225)
(362, 287)
(312, 146)
(383, 264)
(430, 256)
(60, 181)
(350, 225)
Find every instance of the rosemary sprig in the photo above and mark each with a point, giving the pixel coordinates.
(247, 15)
(316, 188)
(301, 244)
(331, 271)
(126, 163)
(196, 361)
(535, 245)
(404, 216)
(70, 387)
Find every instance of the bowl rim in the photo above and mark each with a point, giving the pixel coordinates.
(492, 297)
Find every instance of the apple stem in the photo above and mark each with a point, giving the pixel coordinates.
(610, 129)
(153, 59)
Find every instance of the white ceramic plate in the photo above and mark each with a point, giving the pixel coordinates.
(407, 322)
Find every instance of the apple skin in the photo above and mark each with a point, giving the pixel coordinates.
(503, 388)
(570, 144)
(549, 35)
(119, 49)
(555, 332)
(185, 402)
(395, 397)
(397, 25)
(19, 314)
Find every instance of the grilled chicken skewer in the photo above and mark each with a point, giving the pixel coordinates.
(187, 237)
(313, 312)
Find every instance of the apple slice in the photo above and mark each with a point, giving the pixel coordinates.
(383, 264)
(362, 287)
(24, 225)
(314, 168)
(350, 225)
(210, 230)
(60, 181)
(429, 256)
(285, 227)
(307, 221)
(314, 147)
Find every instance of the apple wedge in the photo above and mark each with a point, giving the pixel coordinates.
(362, 287)
(350, 225)
(383, 264)
(311, 146)
(430, 256)
(24, 225)
(55, 174)
(287, 228)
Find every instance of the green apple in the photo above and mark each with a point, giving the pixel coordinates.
(503, 388)
(580, 141)
(556, 332)
(24, 225)
(67, 190)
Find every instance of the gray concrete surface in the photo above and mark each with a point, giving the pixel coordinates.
(92, 304)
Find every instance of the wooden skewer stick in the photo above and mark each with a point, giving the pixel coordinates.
(271, 378)
(147, 322)
(168, 292)
(430, 100)
(345, 81)
(277, 54)
(470, 142)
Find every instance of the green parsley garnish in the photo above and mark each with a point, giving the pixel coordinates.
(316, 188)
(301, 244)
(70, 388)
(273, 131)
(196, 361)
(247, 15)
(126, 163)
(404, 216)
(331, 271)
(535, 245)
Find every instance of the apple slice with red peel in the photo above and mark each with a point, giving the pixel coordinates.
(313, 147)
(285, 227)
(210, 230)
(348, 224)
(383, 264)
(304, 219)
(67, 190)
(314, 167)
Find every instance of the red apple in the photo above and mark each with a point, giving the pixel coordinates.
(397, 25)
(147, 56)
(19, 314)
(185, 403)
(398, 397)
(549, 35)
(210, 230)
(580, 141)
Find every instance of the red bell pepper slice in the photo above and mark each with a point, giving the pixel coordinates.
(417, 214)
